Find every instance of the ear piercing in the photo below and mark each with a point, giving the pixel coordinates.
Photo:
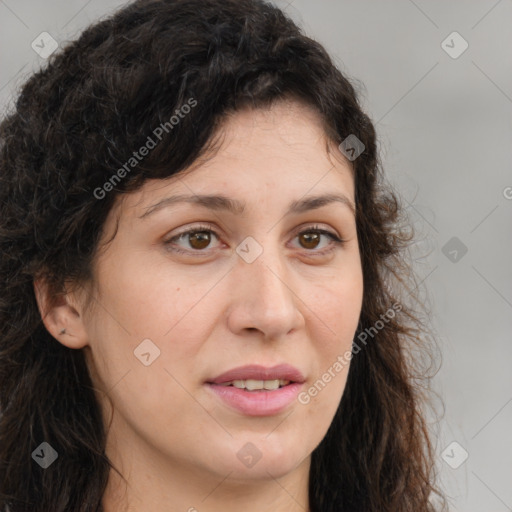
(63, 331)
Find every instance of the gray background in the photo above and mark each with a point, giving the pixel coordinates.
(444, 127)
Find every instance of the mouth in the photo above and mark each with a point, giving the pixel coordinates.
(255, 376)
(257, 390)
(257, 385)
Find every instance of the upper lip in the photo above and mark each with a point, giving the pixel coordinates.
(258, 372)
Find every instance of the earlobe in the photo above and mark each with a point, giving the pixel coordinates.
(60, 317)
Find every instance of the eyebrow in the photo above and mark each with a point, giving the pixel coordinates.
(220, 202)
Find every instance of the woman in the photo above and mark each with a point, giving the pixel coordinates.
(203, 278)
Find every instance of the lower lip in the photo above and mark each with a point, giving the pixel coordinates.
(257, 403)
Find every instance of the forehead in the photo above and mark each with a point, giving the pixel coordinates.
(281, 151)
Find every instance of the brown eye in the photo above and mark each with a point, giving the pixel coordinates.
(199, 239)
(310, 239)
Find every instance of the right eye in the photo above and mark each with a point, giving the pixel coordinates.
(198, 237)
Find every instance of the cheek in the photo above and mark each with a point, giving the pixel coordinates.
(149, 298)
(336, 308)
(337, 304)
(139, 302)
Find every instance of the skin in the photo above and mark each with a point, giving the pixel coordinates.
(173, 440)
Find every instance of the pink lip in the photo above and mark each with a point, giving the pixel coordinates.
(258, 372)
(258, 403)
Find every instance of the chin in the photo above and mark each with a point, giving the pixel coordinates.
(259, 456)
(263, 470)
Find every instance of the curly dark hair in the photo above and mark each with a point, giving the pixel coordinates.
(78, 119)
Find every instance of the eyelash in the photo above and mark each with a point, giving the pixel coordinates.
(336, 241)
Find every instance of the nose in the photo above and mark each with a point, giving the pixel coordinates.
(264, 297)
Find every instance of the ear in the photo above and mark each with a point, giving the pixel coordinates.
(64, 312)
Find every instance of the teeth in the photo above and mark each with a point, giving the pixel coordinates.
(271, 384)
(252, 385)
(249, 384)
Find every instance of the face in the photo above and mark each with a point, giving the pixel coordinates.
(195, 302)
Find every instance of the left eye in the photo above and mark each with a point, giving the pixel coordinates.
(200, 237)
